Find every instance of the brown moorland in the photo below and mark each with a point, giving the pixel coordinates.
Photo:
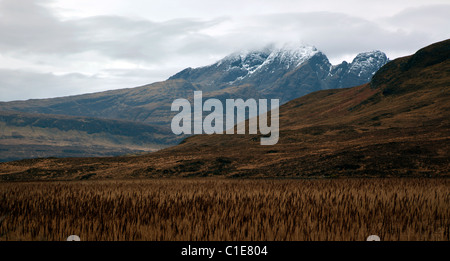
(226, 209)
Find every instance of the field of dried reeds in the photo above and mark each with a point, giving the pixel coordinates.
(224, 209)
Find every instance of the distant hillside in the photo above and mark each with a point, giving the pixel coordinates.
(398, 125)
(148, 104)
(25, 135)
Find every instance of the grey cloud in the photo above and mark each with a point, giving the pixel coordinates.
(123, 38)
(32, 32)
(137, 77)
(335, 34)
(432, 22)
(24, 84)
(27, 28)
(21, 84)
(433, 18)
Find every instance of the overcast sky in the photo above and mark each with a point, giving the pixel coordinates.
(65, 47)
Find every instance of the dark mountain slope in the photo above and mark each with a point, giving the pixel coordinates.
(149, 104)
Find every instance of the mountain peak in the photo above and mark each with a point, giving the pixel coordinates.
(374, 53)
(259, 66)
(288, 55)
(372, 57)
(297, 67)
(367, 63)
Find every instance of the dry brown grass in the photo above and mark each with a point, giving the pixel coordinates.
(219, 209)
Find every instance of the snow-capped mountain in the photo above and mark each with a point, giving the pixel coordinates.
(248, 66)
(360, 70)
(286, 72)
(365, 63)
(260, 61)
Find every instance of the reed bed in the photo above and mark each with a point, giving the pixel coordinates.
(223, 209)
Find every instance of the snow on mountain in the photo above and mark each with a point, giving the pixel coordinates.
(288, 56)
(364, 63)
(287, 72)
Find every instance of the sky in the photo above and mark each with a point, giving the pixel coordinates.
(53, 48)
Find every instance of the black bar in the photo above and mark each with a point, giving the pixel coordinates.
(228, 250)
